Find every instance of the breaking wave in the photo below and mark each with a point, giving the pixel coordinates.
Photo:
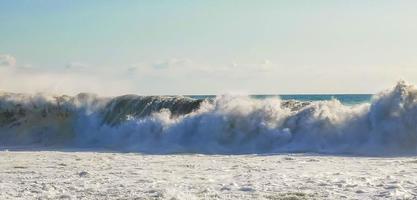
(223, 125)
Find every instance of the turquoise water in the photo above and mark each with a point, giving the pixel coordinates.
(347, 99)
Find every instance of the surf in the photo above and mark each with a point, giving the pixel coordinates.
(386, 125)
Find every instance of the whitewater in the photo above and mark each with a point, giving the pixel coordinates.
(222, 147)
(222, 125)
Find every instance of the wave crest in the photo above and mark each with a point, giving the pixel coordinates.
(224, 125)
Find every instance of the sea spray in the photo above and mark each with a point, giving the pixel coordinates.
(223, 125)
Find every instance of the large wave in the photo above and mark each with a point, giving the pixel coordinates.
(224, 125)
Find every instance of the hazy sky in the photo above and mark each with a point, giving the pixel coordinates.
(206, 47)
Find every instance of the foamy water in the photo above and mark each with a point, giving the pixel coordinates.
(385, 125)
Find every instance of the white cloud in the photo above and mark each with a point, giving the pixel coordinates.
(76, 65)
(175, 68)
(166, 76)
(266, 62)
(7, 60)
(62, 81)
(173, 62)
(264, 66)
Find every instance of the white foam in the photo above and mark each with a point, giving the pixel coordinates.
(236, 125)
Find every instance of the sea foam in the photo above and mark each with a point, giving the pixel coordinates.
(223, 125)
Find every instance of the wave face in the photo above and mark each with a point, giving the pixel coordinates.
(223, 125)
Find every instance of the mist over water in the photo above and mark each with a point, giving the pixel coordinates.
(384, 124)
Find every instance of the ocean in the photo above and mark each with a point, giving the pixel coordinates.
(380, 124)
(209, 147)
(347, 99)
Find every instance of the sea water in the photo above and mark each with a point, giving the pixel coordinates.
(347, 99)
(384, 123)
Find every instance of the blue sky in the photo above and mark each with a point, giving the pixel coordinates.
(206, 47)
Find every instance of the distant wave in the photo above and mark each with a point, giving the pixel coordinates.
(223, 125)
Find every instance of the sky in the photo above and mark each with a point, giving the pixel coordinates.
(206, 46)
